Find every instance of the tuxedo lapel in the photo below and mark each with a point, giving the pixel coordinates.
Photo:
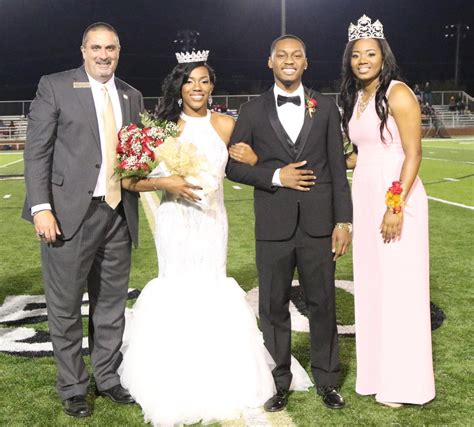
(84, 94)
(307, 124)
(270, 106)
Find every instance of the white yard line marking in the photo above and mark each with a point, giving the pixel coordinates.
(281, 419)
(233, 423)
(150, 202)
(452, 142)
(453, 149)
(451, 179)
(447, 202)
(236, 187)
(463, 140)
(7, 196)
(252, 417)
(257, 417)
(447, 160)
(11, 163)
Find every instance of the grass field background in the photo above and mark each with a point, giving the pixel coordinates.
(27, 395)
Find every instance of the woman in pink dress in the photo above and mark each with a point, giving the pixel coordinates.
(390, 244)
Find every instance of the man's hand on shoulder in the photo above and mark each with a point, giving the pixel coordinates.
(297, 179)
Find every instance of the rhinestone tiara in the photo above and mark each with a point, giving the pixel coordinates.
(199, 56)
(365, 29)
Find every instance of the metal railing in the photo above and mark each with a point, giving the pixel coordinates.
(17, 131)
(233, 102)
(449, 120)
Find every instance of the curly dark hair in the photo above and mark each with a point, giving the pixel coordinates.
(174, 81)
(350, 85)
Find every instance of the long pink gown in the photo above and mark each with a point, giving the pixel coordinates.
(392, 312)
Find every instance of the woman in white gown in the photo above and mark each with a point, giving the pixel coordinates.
(195, 352)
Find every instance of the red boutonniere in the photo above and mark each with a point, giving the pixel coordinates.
(311, 105)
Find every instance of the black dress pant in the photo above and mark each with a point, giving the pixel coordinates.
(276, 263)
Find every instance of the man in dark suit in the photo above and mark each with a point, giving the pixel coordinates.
(85, 221)
(301, 222)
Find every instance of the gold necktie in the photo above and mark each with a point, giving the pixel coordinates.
(112, 183)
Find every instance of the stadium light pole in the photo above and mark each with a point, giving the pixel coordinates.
(459, 31)
(283, 17)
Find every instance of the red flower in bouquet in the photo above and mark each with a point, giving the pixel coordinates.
(136, 146)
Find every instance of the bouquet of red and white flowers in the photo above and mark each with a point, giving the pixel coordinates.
(156, 151)
(136, 149)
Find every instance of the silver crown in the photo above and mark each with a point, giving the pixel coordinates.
(199, 56)
(365, 29)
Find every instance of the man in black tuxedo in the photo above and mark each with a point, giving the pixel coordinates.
(301, 221)
(86, 222)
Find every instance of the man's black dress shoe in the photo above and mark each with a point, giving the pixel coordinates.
(117, 394)
(278, 402)
(331, 398)
(77, 406)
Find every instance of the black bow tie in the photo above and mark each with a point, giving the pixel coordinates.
(284, 99)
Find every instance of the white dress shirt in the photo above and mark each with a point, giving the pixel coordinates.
(291, 117)
(98, 95)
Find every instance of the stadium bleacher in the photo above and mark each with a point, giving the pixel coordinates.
(12, 132)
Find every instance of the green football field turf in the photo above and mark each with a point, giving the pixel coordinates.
(27, 395)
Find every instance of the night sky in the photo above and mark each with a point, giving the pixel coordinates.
(43, 36)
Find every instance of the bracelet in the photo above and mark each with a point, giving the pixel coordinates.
(41, 210)
(153, 185)
(393, 198)
(343, 225)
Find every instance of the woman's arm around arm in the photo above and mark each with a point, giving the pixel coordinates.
(173, 184)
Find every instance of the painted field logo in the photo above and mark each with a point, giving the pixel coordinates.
(298, 310)
(20, 313)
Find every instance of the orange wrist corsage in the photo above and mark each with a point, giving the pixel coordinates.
(393, 197)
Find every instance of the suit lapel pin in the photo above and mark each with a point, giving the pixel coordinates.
(81, 85)
(125, 96)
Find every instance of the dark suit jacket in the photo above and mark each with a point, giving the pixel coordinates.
(62, 152)
(277, 209)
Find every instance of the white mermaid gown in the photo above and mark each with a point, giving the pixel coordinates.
(194, 351)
